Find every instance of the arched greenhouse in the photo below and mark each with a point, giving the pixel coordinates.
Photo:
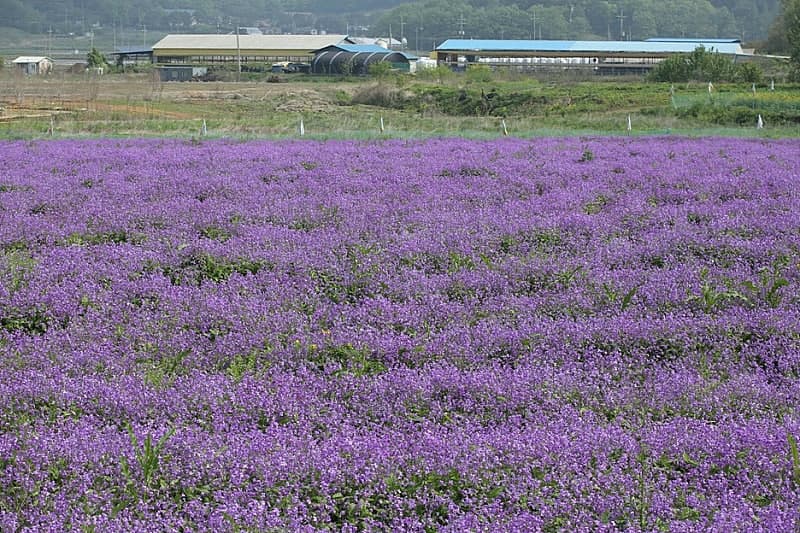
(357, 59)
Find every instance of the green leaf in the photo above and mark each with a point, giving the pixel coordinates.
(795, 456)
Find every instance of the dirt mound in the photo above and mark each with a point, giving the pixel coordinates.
(282, 98)
(299, 101)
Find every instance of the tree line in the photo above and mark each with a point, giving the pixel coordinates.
(423, 23)
(747, 20)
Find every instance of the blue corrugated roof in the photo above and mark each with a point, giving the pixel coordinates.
(133, 50)
(496, 45)
(362, 48)
(688, 40)
(366, 48)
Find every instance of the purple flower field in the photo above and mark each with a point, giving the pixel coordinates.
(442, 335)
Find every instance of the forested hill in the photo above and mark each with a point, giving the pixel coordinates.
(429, 20)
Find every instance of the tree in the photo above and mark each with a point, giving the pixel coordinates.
(346, 68)
(95, 59)
(776, 42)
(702, 65)
(749, 73)
(791, 22)
(645, 22)
(726, 23)
(784, 34)
(601, 16)
(672, 69)
(380, 70)
(747, 19)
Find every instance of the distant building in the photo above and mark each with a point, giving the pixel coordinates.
(603, 57)
(384, 42)
(132, 56)
(357, 58)
(33, 65)
(181, 72)
(175, 73)
(208, 49)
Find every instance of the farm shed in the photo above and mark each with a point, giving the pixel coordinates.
(385, 42)
(132, 56)
(175, 73)
(32, 65)
(356, 59)
(603, 57)
(208, 49)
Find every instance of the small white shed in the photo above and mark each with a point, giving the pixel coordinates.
(33, 65)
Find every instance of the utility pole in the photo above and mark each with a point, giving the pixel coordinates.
(49, 41)
(238, 55)
(461, 26)
(144, 35)
(419, 31)
(402, 34)
(534, 25)
(621, 18)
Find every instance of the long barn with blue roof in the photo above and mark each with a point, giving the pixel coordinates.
(606, 57)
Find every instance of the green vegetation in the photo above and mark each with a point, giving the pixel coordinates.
(345, 359)
(29, 321)
(95, 59)
(380, 70)
(795, 456)
(702, 65)
(791, 24)
(425, 21)
(585, 19)
(778, 109)
(784, 35)
(433, 103)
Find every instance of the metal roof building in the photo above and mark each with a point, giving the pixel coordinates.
(204, 49)
(34, 64)
(357, 58)
(386, 42)
(132, 55)
(688, 40)
(608, 56)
